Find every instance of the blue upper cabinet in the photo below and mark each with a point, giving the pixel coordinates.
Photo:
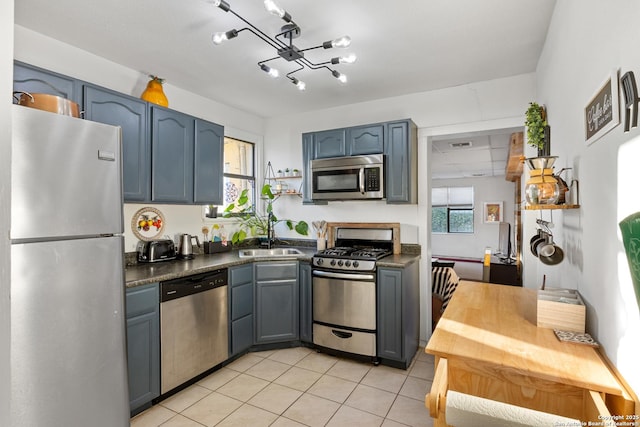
(401, 173)
(209, 156)
(329, 143)
(307, 156)
(365, 140)
(27, 78)
(172, 150)
(168, 157)
(112, 108)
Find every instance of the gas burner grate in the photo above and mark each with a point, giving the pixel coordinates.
(337, 251)
(370, 253)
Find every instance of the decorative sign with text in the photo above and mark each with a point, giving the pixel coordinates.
(602, 112)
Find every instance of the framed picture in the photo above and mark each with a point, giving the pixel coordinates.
(492, 212)
(602, 113)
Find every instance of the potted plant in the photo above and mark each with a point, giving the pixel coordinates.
(211, 211)
(254, 223)
(296, 172)
(538, 129)
(280, 173)
(287, 172)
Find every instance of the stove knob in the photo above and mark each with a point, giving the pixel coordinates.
(340, 263)
(355, 264)
(347, 263)
(333, 262)
(319, 261)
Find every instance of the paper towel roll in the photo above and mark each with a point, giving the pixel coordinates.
(464, 410)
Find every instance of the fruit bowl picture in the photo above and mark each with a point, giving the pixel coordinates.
(147, 223)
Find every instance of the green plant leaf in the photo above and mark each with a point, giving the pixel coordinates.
(535, 123)
(244, 197)
(302, 228)
(266, 191)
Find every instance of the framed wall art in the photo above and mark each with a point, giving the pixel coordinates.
(492, 212)
(602, 113)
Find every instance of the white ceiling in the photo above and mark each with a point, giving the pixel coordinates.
(403, 46)
(481, 154)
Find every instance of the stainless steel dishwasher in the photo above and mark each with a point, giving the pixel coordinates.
(193, 326)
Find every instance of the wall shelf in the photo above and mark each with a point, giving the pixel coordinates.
(550, 207)
(280, 183)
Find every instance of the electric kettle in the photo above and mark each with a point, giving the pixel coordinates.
(185, 250)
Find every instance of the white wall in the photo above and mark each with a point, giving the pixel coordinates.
(487, 189)
(6, 86)
(586, 39)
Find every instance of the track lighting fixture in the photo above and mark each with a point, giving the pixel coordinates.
(283, 44)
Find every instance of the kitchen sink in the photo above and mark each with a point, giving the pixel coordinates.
(276, 252)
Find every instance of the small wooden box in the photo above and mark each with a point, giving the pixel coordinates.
(561, 309)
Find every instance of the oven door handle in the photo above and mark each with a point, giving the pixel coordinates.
(346, 276)
(361, 178)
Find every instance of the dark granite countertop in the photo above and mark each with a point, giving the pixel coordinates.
(142, 274)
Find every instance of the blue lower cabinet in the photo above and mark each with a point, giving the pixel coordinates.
(241, 312)
(277, 315)
(143, 345)
(241, 334)
(398, 314)
(306, 302)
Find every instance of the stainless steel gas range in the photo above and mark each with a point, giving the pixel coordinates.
(344, 291)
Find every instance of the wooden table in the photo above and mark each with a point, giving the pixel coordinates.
(492, 348)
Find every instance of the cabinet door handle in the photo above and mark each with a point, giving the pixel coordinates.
(341, 334)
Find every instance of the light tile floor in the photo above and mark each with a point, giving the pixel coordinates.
(299, 387)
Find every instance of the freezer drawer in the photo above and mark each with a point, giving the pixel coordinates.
(355, 342)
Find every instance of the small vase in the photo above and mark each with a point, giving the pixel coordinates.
(321, 244)
(154, 93)
(546, 150)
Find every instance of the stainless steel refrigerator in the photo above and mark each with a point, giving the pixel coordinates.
(68, 339)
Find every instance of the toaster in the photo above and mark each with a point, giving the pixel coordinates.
(156, 250)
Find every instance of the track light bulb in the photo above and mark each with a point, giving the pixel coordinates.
(299, 84)
(218, 38)
(274, 9)
(271, 71)
(343, 41)
(349, 59)
(221, 4)
(341, 77)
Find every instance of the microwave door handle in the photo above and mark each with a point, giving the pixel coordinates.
(361, 179)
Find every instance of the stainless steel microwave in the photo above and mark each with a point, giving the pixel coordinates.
(348, 178)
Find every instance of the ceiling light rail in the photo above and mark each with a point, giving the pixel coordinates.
(283, 44)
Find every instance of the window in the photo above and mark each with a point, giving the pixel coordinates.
(452, 210)
(239, 174)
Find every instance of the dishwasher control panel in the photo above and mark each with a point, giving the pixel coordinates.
(184, 286)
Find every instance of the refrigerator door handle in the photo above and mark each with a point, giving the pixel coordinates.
(107, 155)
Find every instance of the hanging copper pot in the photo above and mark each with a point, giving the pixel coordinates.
(46, 102)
